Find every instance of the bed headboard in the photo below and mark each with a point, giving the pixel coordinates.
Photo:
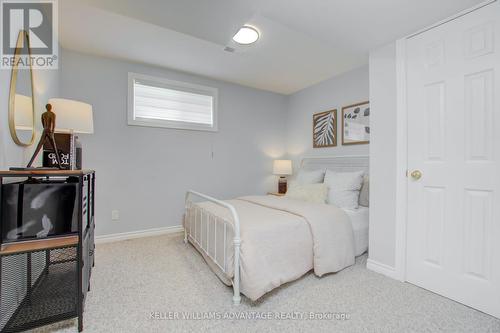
(337, 163)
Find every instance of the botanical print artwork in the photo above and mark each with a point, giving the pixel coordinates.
(325, 129)
(356, 124)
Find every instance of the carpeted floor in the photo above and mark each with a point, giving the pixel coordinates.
(160, 275)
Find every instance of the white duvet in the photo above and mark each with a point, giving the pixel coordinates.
(282, 239)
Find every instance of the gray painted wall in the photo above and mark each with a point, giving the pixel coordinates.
(377, 83)
(339, 91)
(383, 156)
(144, 172)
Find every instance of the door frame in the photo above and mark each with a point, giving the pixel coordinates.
(402, 141)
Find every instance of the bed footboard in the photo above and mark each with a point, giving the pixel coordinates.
(195, 216)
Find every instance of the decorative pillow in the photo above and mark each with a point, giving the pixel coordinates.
(364, 194)
(307, 192)
(344, 188)
(310, 176)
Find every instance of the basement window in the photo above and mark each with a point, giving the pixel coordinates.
(158, 102)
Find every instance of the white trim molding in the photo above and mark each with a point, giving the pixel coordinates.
(453, 17)
(138, 234)
(382, 269)
(401, 161)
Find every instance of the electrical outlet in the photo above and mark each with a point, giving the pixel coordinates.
(115, 215)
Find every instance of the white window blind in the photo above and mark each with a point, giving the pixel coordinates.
(164, 103)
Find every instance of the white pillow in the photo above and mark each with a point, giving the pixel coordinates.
(310, 176)
(344, 188)
(307, 192)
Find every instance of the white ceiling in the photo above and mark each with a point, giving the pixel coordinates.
(302, 42)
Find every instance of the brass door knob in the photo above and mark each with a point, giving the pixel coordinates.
(416, 175)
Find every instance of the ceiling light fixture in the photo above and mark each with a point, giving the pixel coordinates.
(246, 35)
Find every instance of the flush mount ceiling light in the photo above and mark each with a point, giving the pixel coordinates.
(246, 35)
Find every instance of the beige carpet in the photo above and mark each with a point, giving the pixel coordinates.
(134, 278)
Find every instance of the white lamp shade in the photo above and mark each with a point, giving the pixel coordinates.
(23, 112)
(72, 116)
(282, 167)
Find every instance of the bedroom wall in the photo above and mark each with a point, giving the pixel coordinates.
(377, 83)
(346, 89)
(383, 173)
(144, 172)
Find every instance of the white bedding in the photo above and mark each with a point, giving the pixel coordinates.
(359, 221)
(282, 239)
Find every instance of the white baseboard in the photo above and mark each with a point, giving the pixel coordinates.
(138, 234)
(382, 269)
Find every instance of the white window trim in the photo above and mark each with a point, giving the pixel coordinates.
(170, 84)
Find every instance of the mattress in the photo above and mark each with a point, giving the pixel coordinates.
(359, 220)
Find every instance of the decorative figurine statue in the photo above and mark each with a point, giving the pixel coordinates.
(49, 125)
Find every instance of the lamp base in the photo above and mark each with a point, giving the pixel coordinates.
(282, 186)
(78, 154)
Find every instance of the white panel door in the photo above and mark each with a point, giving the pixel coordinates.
(453, 96)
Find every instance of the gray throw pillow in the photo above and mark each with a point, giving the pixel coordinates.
(364, 194)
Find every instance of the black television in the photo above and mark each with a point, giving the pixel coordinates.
(31, 210)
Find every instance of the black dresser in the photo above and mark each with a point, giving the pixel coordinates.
(46, 246)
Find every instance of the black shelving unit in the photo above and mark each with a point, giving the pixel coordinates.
(46, 280)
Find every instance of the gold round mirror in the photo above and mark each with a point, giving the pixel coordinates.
(21, 97)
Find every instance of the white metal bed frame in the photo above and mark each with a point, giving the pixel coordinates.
(191, 234)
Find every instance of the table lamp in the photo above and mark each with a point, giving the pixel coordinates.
(73, 117)
(282, 168)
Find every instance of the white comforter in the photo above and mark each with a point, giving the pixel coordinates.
(282, 239)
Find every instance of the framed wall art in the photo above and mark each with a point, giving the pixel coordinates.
(325, 129)
(356, 124)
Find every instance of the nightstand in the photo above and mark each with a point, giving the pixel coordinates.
(276, 194)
